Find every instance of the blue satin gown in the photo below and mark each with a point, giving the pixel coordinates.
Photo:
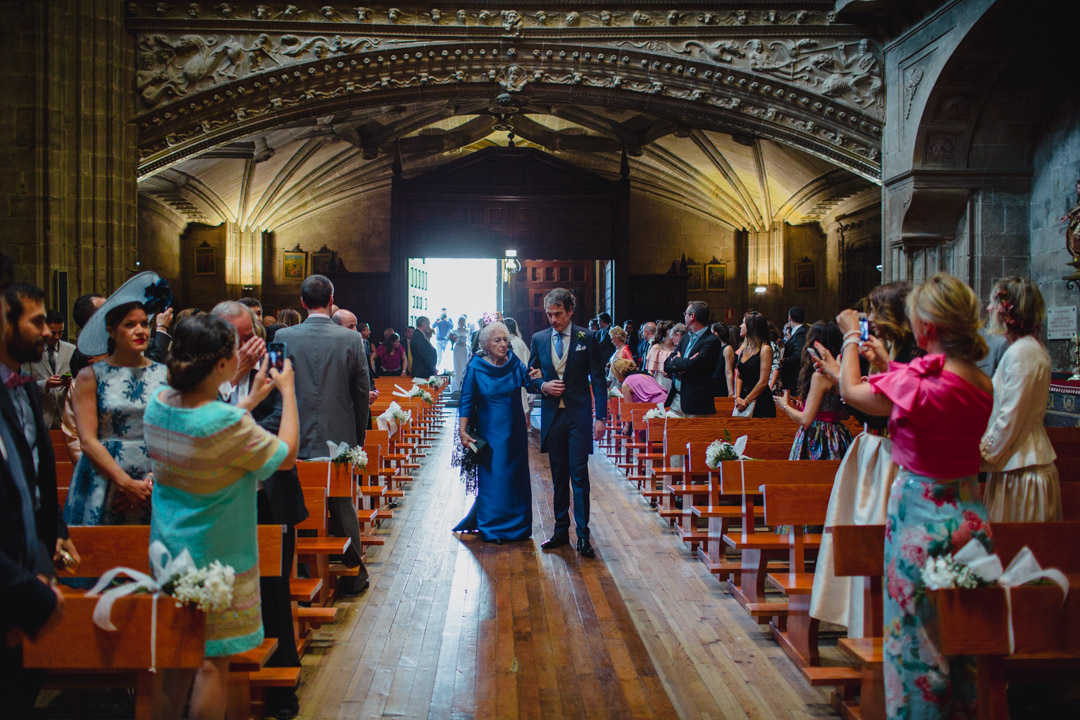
(503, 507)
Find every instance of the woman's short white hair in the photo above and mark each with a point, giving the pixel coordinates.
(490, 329)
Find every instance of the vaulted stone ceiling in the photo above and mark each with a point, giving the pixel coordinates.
(748, 114)
(281, 176)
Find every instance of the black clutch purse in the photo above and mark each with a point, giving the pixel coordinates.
(477, 445)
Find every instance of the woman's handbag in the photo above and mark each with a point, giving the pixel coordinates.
(745, 413)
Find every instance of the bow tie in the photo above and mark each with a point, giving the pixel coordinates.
(15, 380)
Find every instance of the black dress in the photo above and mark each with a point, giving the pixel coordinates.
(750, 372)
(720, 388)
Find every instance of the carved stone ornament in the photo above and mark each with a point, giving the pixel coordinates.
(912, 78)
(512, 78)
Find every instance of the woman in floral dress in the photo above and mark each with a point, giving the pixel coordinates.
(822, 434)
(112, 481)
(938, 407)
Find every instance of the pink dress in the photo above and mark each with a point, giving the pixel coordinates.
(643, 388)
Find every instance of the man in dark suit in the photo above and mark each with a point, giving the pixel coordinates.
(280, 501)
(31, 528)
(642, 350)
(692, 364)
(793, 347)
(571, 363)
(603, 337)
(424, 355)
(332, 399)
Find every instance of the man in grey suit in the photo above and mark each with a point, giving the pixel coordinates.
(53, 371)
(332, 399)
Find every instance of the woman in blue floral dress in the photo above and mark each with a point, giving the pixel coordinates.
(112, 482)
(938, 407)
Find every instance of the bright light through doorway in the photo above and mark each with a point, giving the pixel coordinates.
(463, 286)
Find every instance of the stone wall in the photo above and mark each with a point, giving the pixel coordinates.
(67, 143)
(159, 241)
(1053, 194)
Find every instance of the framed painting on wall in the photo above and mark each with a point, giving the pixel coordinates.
(294, 264)
(716, 276)
(205, 258)
(322, 261)
(695, 284)
(805, 275)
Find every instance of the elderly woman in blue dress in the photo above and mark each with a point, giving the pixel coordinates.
(490, 409)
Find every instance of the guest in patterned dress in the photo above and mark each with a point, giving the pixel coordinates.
(938, 406)
(112, 482)
(209, 458)
(822, 434)
(1022, 485)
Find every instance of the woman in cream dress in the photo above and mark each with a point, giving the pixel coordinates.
(461, 353)
(1022, 484)
(861, 489)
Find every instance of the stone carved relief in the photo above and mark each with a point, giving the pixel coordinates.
(512, 78)
(912, 78)
(571, 18)
(940, 148)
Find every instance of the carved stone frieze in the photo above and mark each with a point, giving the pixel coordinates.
(324, 71)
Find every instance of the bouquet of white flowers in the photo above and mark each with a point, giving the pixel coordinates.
(416, 391)
(944, 572)
(723, 450)
(612, 392)
(207, 588)
(401, 417)
(660, 412)
(354, 455)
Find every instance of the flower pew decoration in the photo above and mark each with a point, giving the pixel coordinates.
(346, 455)
(660, 412)
(416, 391)
(613, 393)
(435, 381)
(724, 450)
(208, 588)
(401, 416)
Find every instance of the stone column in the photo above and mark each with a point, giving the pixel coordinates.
(68, 145)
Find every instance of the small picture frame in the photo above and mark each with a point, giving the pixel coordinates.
(205, 260)
(294, 265)
(695, 283)
(806, 275)
(716, 277)
(322, 261)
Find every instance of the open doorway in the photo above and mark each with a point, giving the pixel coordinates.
(456, 286)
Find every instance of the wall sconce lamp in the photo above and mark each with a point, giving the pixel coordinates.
(761, 290)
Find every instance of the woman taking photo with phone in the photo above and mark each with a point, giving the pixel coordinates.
(209, 458)
(822, 434)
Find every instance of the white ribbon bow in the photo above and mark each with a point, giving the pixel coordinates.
(164, 567)
(403, 393)
(1023, 569)
(386, 421)
(740, 445)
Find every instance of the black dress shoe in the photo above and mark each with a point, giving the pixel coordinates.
(585, 548)
(556, 541)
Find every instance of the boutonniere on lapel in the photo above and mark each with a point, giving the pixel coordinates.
(580, 344)
(581, 335)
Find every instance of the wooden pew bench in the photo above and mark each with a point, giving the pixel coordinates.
(316, 549)
(749, 479)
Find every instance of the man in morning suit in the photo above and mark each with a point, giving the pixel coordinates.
(332, 400)
(692, 364)
(793, 347)
(570, 360)
(31, 527)
(425, 358)
(52, 371)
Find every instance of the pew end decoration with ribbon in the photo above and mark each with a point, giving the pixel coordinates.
(660, 412)
(208, 588)
(959, 583)
(393, 417)
(416, 391)
(725, 450)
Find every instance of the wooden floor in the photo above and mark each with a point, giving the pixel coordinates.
(457, 628)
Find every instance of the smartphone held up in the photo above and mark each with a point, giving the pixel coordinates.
(275, 353)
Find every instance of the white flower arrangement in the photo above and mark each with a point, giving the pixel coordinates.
(354, 455)
(400, 416)
(724, 450)
(658, 413)
(207, 588)
(419, 392)
(613, 393)
(945, 573)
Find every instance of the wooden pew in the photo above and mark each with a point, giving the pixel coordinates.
(104, 547)
(90, 656)
(317, 549)
(1048, 632)
(796, 506)
(59, 446)
(757, 548)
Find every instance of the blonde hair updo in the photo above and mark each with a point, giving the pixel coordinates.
(953, 308)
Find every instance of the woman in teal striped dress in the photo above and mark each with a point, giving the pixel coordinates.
(208, 459)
